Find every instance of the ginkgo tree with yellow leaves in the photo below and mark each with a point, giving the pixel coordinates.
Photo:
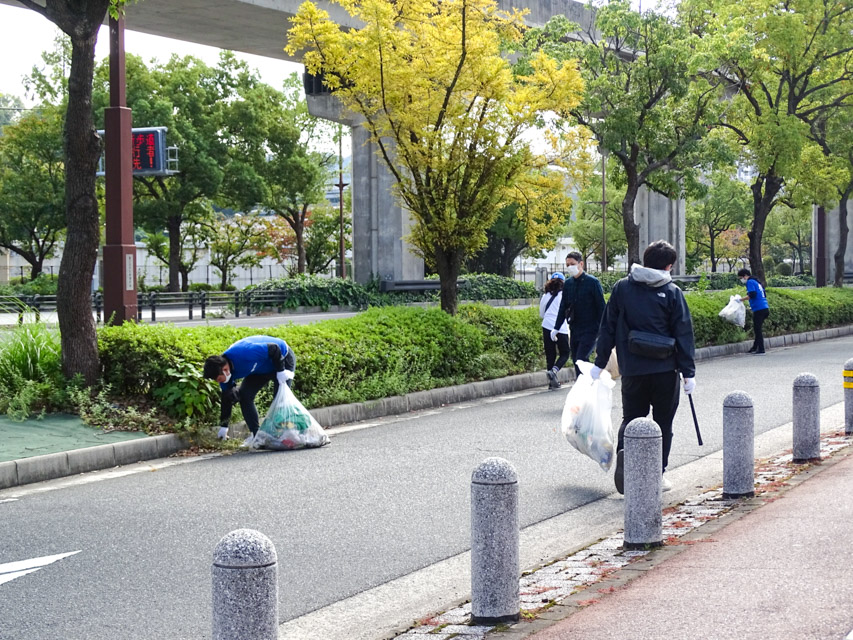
(434, 88)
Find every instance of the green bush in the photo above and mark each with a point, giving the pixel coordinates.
(769, 266)
(316, 291)
(783, 269)
(30, 370)
(791, 281)
(44, 285)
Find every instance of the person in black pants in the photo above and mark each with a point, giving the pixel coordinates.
(760, 309)
(549, 305)
(582, 305)
(649, 324)
(257, 360)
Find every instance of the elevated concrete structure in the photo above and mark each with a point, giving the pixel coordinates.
(830, 243)
(379, 223)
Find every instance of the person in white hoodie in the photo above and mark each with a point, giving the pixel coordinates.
(549, 306)
(648, 322)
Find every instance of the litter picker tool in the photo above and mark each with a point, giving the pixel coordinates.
(695, 421)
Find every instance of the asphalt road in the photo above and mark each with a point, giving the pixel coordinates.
(377, 504)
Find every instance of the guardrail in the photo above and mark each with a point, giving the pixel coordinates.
(150, 302)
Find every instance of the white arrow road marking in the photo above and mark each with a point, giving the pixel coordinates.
(12, 570)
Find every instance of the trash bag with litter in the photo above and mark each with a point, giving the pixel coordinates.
(734, 311)
(289, 425)
(586, 416)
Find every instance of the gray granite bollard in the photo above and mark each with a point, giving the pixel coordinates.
(245, 587)
(738, 446)
(643, 472)
(495, 564)
(848, 397)
(806, 418)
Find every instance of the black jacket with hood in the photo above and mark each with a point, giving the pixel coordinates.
(646, 300)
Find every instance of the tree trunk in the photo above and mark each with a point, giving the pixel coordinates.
(299, 231)
(82, 150)
(632, 229)
(223, 282)
(764, 192)
(843, 232)
(448, 265)
(713, 254)
(185, 278)
(173, 224)
(36, 269)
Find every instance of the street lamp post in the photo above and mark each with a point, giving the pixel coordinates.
(341, 184)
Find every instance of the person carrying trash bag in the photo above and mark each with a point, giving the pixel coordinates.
(759, 307)
(256, 360)
(648, 322)
(582, 305)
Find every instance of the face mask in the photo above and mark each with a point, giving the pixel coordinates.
(573, 270)
(744, 280)
(227, 377)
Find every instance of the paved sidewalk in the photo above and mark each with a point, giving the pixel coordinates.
(773, 567)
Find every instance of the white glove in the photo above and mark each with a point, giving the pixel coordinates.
(553, 335)
(689, 385)
(283, 376)
(594, 372)
(223, 433)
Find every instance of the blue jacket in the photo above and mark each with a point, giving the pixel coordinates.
(255, 355)
(757, 297)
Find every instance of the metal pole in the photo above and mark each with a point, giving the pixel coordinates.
(603, 211)
(341, 186)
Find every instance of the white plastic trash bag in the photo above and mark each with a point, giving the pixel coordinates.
(734, 312)
(586, 416)
(288, 425)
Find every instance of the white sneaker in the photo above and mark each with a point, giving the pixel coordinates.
(665, 484)
(247, 443)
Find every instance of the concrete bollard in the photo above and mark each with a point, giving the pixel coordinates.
(848, 397)
(738, 446)
(806, 418)
(495, 564)
(245, 587)
(643, 472)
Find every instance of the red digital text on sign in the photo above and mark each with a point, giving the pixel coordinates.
(144, 151)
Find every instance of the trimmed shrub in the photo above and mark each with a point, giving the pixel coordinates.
(783, 269)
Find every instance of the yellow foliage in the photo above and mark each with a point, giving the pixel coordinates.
(436, 91)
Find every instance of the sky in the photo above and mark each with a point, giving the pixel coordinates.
(24, 35)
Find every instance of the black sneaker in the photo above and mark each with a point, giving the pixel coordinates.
(553, 383)
(619, 476)
(753, 350)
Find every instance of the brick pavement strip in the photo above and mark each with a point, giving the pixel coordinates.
(556, 591)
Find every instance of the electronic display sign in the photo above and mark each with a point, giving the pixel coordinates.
(149, 153)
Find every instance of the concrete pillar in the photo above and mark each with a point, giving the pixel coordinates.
(738, 446)
(661, 218)
(848, 397)
(379, 223)
(643, 474)
(245, 587)
(806, 418)
(495, 568)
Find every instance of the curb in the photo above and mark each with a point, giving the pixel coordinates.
(105, 456)
(58, 465)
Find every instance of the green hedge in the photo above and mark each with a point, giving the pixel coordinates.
(381, 352)
(316, 291)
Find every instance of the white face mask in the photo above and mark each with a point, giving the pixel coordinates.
(573, 270)
(227, 377)
(744, 280)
